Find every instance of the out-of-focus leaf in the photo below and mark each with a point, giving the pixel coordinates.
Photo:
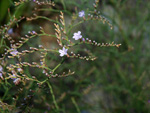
(19, 10)
(4, 5)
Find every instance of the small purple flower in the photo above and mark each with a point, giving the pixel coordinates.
(10, 31)
(13, 77)
(34, 0)
(41, 63)
(81, 13)
(63, 51)
(83, 39)
(77, 35)
(148, 101)
(33, 32)
(14, 52)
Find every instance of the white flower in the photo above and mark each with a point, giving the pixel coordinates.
(77, 35)
(40, 46)
(1, 68)
(14, 52)
(63, 51)
(81, 13)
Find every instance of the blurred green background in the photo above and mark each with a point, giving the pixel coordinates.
(117, 82)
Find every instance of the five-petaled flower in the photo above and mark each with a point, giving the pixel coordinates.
(63, 51)
(77, 35)
(81, 13)
(14, 52)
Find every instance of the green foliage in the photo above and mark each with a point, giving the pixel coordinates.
(5, 4)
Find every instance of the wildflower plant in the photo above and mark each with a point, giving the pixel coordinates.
(15, 73)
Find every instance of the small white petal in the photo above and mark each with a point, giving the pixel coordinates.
(81, 13)
(77, 35)
(63, 51)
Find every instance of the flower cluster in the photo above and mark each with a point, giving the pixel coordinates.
(62, 35)
(76, 36)
(14, 52)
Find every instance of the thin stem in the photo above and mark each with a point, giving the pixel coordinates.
(1, 42)
(75, 104)
(54, 10)
(53, 96)
(74, 26)
(51, 20)
(58, 65)
(6, 92)
(63, 3)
